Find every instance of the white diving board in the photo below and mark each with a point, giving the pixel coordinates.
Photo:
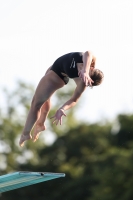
(21, 179)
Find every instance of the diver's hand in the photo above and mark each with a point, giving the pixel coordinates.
(84, 76)
(58, 116)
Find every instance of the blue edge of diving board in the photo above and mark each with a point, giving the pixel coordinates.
(21, 179)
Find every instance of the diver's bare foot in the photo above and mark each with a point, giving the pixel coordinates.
(23, 138)
(37, 131)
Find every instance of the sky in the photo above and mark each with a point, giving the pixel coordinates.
(33, 33)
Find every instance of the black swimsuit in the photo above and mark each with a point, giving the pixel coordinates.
(66, 66)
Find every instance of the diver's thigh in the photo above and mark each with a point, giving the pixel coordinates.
(48, 85)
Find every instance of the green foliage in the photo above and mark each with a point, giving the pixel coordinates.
(11, 124)
(97, 163)
(124, 137)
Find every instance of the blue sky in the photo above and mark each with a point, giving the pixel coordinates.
(33, 33)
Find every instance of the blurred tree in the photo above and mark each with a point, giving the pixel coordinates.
(97, 162)
(124, 137)
(12, 120)
(75, 153)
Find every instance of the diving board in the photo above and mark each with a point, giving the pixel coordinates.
(21, 179)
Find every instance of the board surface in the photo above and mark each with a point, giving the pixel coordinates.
(21, 179)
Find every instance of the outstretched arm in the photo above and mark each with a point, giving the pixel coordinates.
(70, 103)
(84, 72)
